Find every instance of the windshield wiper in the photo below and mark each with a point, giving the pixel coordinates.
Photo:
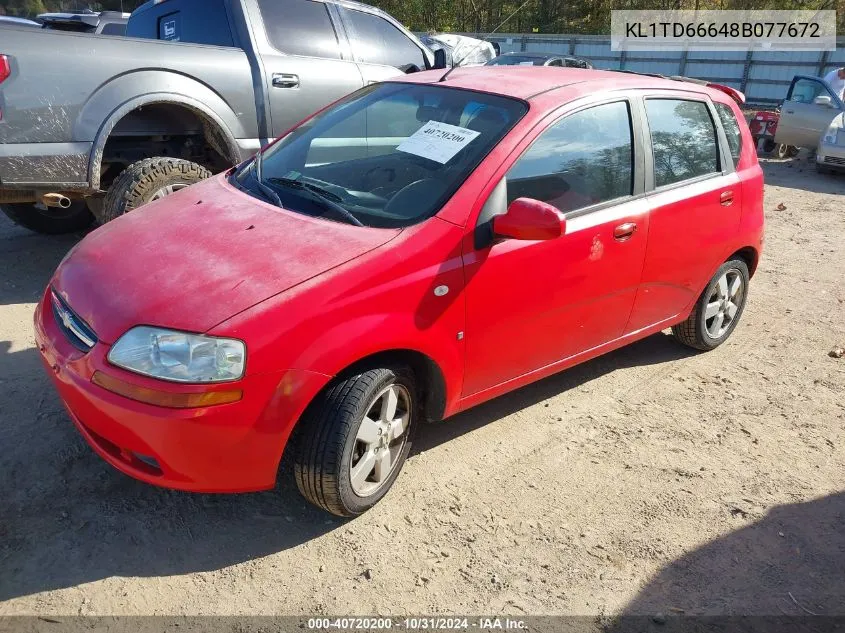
(319, 195)
(258, 168)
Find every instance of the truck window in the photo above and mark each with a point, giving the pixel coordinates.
(377, 41)
(300, 27)
(194, 21)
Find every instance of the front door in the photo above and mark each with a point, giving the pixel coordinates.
(531, 304)
(303, 62)
(806, 114)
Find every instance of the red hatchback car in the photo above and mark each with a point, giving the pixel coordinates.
(415, 249)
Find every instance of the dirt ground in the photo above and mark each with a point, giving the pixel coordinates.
(650, 480)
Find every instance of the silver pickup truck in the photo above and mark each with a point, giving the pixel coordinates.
(94, 126)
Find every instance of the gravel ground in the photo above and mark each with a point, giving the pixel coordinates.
(649, 480)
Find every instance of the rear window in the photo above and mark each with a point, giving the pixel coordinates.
(683, 140)
(300, 27)
(731, 127)
(194, 21)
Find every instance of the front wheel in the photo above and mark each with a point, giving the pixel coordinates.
(717, 310)
(49, 220)
(354, 439)
(148, 180)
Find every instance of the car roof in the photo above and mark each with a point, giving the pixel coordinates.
(526, 82)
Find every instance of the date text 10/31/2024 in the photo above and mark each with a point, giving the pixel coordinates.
(417, 623)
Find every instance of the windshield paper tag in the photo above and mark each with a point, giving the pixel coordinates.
(437, 141)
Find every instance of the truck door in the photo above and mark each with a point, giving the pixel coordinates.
(809, 108)
(381, 48)
(304, 61)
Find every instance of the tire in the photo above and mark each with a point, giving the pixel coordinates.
(785, 151)
(50, 220)
(768, 146)
(148, 180)
(332, 440)
(699, 331)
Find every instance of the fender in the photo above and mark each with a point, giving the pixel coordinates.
(155, 87)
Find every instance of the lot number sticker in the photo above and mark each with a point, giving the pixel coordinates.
(437, 141)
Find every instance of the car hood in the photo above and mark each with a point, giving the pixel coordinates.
(198, 257)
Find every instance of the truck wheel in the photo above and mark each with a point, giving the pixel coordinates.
(148, 180)
(782, 151)
(50, 220)
(354, 438)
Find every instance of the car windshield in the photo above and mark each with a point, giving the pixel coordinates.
(517, 60)
(389, 155)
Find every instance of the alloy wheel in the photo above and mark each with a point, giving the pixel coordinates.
(724, 303)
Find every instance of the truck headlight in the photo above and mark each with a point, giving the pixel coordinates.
(179, 356)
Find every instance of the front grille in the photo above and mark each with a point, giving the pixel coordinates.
(834, 160)
(77, 331)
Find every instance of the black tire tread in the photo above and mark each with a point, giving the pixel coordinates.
(135, 184)
(325, 426)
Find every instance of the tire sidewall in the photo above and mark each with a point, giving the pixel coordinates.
(351, 501)
(701, 322)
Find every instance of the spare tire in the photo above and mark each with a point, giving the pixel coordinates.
(49, 220)
(148, 180)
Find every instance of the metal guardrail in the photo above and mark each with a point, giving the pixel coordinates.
(763, 76)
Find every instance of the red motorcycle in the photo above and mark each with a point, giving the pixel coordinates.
(763, 127)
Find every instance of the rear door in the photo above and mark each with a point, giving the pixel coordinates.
(306, 60)
(805, 116)
(696, 203)
(380, 47)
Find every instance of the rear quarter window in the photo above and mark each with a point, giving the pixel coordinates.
(732, 130)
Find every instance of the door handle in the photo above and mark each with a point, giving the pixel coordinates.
(726, 198)
(285, 80)
(790, 111)
(624, 231)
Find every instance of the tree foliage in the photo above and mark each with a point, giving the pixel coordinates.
(482, 16)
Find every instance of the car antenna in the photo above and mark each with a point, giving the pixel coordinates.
(472, 50)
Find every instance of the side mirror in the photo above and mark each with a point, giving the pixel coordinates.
(823, 100)
(528, 219)
(439, 58)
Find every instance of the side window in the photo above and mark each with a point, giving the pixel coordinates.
(683, 140)
(805, 90)
(377, 41)
(731, 127)
(300, 27)
(556, 62)
(584, 159)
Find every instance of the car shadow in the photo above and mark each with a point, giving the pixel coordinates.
(782, 568)
(800, 173)
(69, 518)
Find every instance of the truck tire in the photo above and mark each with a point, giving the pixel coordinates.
(353, 439)
(50, 220)
(148, 180)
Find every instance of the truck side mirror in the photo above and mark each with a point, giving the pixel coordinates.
(439, 58)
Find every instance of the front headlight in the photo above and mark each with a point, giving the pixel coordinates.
(833, 132)
(179, 356)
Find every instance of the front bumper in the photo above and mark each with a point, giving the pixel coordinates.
(226, 448)
(830, 156)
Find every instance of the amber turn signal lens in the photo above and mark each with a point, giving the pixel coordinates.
(165, 398)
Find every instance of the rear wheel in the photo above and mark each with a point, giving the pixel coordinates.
(148, 180)
(49, 220)
(354, 440)
(717, 310)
